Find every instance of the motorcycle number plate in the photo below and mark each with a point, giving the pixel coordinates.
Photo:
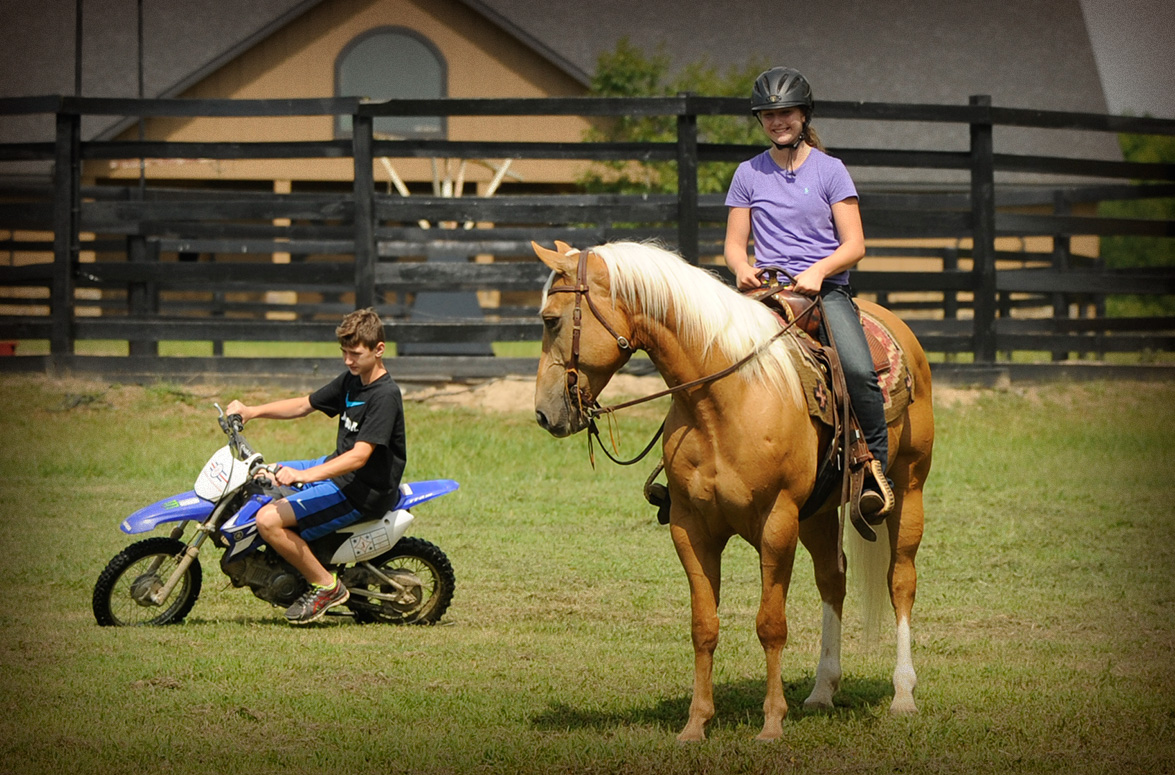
(222, 472)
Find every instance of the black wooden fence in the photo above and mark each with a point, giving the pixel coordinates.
(362, 247)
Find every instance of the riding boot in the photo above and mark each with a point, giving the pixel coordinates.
(877, 499)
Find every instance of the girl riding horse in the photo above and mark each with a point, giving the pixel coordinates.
(740, 452)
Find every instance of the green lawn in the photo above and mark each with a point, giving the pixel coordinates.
(1044, 630)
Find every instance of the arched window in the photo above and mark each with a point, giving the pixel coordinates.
(392, 62)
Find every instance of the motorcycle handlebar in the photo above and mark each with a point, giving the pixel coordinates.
(232, 425)
(243, 446)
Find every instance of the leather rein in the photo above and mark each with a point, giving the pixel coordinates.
(588, 403)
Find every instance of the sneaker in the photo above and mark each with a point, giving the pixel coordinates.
(316, 602)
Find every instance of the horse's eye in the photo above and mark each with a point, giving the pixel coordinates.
(552, 322)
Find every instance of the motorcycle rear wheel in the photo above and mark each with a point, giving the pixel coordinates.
(426, 581)
(120, 596)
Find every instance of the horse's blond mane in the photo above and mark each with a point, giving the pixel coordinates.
(710, 316)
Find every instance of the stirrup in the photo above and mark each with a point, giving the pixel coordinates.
(657, 495)
(877, 504)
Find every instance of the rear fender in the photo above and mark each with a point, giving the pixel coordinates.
(414, 493)
(178, 508)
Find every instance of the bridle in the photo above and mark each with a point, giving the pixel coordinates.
(587, 402)
(574, 386)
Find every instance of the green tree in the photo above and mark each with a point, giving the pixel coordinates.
(1126, 252)
(629, 72)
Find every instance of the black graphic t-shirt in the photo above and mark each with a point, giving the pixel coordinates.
(373, 413)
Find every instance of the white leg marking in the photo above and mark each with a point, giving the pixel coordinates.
(828, 671)
(904, 679)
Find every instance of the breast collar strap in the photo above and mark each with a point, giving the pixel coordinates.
(581, 291)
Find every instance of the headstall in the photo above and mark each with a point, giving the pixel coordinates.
(581, 291)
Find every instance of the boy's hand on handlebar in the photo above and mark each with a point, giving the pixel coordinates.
(279, 474)
(236, 407)
(287, 476)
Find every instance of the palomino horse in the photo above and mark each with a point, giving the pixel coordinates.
(740, 452)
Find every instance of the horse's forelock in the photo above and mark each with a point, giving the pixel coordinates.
(547, 288)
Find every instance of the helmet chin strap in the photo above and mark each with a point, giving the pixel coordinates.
(793, 146)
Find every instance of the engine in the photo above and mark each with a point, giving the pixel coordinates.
(268, 576)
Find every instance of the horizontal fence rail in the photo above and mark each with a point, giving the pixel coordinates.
(197, 264)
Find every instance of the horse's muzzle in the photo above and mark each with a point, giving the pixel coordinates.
(559, 417)
(546, 424)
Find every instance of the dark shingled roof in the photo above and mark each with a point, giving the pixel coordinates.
(1031, 53)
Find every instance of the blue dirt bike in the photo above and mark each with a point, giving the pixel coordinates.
(391, 577)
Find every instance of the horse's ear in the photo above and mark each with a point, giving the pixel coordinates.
(564, 248)
(558, 261)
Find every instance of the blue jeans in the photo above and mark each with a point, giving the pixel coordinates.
(840, 314)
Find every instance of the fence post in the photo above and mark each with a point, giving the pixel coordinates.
(1062, 251)
(687, 182)
(983, 230)
(362, 138)
(66, 210)
(142, 297)
(950, 299)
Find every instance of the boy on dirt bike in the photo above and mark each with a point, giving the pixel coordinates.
(361, 478)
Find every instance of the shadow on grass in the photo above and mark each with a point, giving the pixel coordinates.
(737, 703)
(276, 619)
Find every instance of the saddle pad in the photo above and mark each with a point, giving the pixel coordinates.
(893, 376)
(813, 378)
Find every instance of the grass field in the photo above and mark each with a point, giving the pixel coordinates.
(1044, 631)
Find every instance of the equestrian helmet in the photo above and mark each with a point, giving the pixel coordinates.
(781, 87)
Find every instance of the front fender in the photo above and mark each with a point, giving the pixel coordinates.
(177, 508)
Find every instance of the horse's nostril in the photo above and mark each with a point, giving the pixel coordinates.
(541, 419)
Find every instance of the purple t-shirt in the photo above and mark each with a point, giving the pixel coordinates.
(791, 214)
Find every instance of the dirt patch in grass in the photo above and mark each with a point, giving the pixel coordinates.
(516, 394)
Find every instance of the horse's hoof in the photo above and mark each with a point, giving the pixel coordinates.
(817, 706)
(904, 707)
(770, 733)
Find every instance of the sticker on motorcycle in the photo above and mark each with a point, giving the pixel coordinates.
(370, 543)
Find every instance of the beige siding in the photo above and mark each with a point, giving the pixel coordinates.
(299, 60)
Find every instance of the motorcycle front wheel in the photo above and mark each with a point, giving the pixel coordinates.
(122, 596)
(411, 584)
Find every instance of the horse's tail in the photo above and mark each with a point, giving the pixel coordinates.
(868, 563)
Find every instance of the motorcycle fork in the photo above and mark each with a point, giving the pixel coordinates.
(175, 533)
(203, 530)
(180, 569)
